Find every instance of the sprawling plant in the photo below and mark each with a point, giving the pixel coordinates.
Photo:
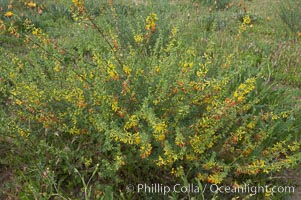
(155, 106)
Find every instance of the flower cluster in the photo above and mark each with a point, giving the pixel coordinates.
(244, 89)
(151, 22)
(164, 105)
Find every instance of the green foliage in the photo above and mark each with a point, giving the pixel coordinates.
(290, 14)
(286, 61)
(140, 101)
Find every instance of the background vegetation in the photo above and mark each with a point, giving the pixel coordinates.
(98, 95)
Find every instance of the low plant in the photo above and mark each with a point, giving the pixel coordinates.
(152, 111)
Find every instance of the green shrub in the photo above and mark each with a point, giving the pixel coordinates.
(146, 112)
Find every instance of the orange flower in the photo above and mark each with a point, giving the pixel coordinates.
(227, 100)
(8, 14)
(31, 4)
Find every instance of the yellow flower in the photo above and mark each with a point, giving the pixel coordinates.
(145, 150)
(242, 28)
(114, 106)
(275, 117)
(74, 130)
(8, 14)
(294, 147)
(235, 94)
(240, 98)
(137, 138)
(188, 64)
(112, 71)
(299, 34)
(259, 163)
(31, 4)
(251, 125)
(76, 2)
(268, 193)
(159, 137)
(156, 102)
(160, 128)
(247, 19)
(81, 103)
(18, 102)
(160, 161)
(138, 38)
(23, 133)
(178, 172)
(133, 121)
(151, 22)
(126, 69)
(215, 179)
(154, 16)
(57, 68)
(266, 171)
(88, 162)
(35, 31)
(201, 177)
(174, 31)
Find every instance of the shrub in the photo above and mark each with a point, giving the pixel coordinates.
(148, 112)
